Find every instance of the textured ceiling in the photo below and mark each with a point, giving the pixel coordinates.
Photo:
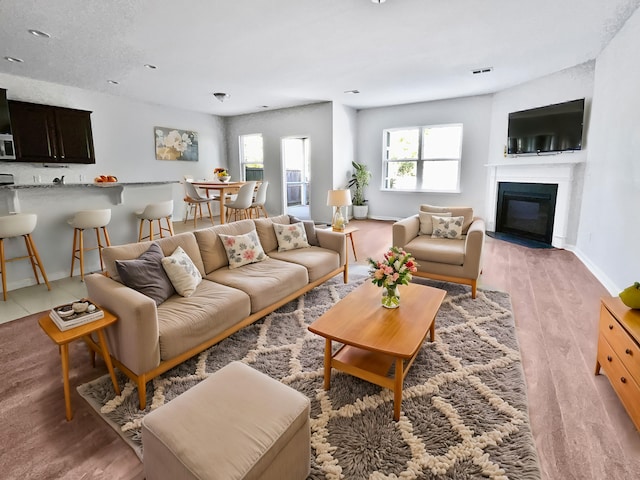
(293, 52)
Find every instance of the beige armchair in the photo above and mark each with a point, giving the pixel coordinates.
(456, 260)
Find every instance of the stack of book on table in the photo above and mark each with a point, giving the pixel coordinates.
(74, 314)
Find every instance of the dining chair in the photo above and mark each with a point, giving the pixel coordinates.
(194, 201)
(258, 202)
(241, 206)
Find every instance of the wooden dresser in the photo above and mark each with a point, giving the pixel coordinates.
(619, 352)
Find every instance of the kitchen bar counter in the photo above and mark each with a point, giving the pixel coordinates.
(56, 203)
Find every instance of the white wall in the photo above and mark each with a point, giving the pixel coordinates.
(473, 112)
(609, 232)
(123, 137)
(312, 121)
(569, 84)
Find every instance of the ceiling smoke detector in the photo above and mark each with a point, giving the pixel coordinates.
(221, 96)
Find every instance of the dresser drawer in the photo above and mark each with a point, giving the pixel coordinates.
(621, 343)
(625, 386)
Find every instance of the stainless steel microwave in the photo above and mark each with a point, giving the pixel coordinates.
(7, 151)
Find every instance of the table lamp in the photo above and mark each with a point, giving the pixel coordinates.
(338, 199)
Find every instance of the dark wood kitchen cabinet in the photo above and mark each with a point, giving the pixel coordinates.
(46, 134)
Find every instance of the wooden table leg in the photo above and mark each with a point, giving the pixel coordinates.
(64, 355)
(397, 389)
(107, 360)
(327, 364)
(222, 213)
(346, 263)
(353, 246)
(432, 331)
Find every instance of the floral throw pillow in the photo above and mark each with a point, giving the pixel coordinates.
(447, 227)
(184, 275)
(291, 237)
(243, 249)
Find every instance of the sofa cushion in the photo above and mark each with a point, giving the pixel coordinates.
(466, 212)
(168, 245)
(146, 275)
(318, 261)
(290, 237)
(264, 227)
(183, 274)
(426, 223)
(440, 250)
(242, 249)
(265, 282)
(309, 228)
(447, 227)
(214, 255)
(185, 322)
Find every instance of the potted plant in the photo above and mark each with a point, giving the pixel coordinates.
(359, 179)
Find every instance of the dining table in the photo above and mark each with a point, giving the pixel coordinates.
(224, 189)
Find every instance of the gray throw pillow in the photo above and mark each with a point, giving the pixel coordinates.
(309, 229)
(146, 274)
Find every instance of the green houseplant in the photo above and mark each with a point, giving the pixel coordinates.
(359, 179)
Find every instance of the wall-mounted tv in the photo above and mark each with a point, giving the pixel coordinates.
(553, 128)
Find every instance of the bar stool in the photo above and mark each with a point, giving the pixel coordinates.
(157, 212)
(20, 225)
(96, 219)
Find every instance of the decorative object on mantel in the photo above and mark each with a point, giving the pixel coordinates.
(464, 414)
(394, 270)
(630, 296)
(173, 144)
(222, 174)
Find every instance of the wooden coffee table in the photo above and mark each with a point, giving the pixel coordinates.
(376, 338)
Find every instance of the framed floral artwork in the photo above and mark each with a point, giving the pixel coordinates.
(174, 144)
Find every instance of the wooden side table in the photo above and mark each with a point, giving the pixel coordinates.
(348, 235)
(64, 338)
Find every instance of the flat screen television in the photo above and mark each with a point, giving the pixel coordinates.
(553, 128)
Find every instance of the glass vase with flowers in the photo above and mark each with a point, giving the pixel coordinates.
(395, 269)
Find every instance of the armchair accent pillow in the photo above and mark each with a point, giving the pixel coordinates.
(290, 237)
(146, 275)
(426, 223)
(183, 274)
(243, 249)
(447, 227)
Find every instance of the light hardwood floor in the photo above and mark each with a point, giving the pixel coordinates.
(581, 430)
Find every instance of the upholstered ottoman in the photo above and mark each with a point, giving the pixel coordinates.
(236, 424)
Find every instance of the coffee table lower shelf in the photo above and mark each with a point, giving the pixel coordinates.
(370, 366)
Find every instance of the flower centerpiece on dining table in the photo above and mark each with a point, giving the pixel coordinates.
(222, 174)
(395, 269)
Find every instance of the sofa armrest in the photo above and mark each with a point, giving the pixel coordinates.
(134, 338)
(333, 241)
(405, 230)
(473, 246)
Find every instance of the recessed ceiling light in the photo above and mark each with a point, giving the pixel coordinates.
(221, 96)
(352, 92)
(113, 82)
(13, 59)
(264, 106)
(378, 1)
(39, 33)
(482, 70)
(150, 66)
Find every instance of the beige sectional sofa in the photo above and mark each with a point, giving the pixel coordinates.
(149, 339)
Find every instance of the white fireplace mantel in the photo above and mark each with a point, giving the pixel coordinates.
(535, 170)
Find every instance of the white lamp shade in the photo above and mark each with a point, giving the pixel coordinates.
(339, 198)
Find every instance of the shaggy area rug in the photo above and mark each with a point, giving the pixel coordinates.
(464, 409)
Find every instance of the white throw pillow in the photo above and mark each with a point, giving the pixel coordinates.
(290, 237)
(184, 275)
(426, 223)
(447, 227)
(243, 249)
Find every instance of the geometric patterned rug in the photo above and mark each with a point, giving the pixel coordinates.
(464, 408)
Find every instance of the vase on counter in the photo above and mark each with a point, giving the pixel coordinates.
(391, 297)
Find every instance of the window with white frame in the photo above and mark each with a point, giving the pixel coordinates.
(251, 157)
(422, 158)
